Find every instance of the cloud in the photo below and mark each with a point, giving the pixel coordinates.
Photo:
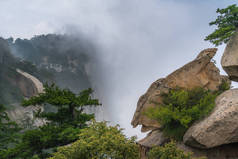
(43, 28)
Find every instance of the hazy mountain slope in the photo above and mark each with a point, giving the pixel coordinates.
(65, 58)
(13, 86)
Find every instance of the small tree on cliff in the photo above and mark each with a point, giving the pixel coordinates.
(69, 105)
(63, 127)
(227, 23)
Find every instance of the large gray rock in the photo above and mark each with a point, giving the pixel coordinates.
(220, 127)
(221, 152)
(229, 59)
(154, 138)
(25, 116)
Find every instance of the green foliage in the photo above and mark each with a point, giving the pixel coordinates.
(8, 130)
(181, 108)
(37, 141)
(227, 23)
(62, 128)
(100, 141)
(69, 105)
(223, 87)
(169, 151)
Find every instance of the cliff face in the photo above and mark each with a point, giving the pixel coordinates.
(26, 64)
(60, 59)
(37, 84)
(13, 85)
(16, 85)
(25, 116)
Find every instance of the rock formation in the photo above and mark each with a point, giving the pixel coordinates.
(37, 84)
(13, 85)
(220, 127)
(25, 84)
(24, 116)
(154, 138)
(59, 59)
(201, 72)
(229, 60)
(216, 136)
(220, 152)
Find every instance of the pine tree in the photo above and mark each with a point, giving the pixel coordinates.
(227, 23)
(63, 125)
(9, 131)
(69, 105)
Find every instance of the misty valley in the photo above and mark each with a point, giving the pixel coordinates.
(113, 80)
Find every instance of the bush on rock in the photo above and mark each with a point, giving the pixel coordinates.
(181, 108)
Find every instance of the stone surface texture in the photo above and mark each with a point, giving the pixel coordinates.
(220, 127)
(201, 72)
(154, 138)
(229, 59)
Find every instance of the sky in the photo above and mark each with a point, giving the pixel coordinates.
(138, 41)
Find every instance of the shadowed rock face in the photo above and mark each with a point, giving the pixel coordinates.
(24, 116)
(26, 86)
(220, 127)
(229, 59)
(221, 152)
(37, 85)
(154, 138)
(62, 59)
(5, 56)
(201, 72)
(13, 85)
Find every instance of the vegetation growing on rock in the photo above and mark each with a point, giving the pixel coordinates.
(8, 130)
(181, 108)
(169, 151)
(70, 106)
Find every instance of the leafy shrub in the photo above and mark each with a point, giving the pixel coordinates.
(181, 108)
(100, 141)
(169, 151)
